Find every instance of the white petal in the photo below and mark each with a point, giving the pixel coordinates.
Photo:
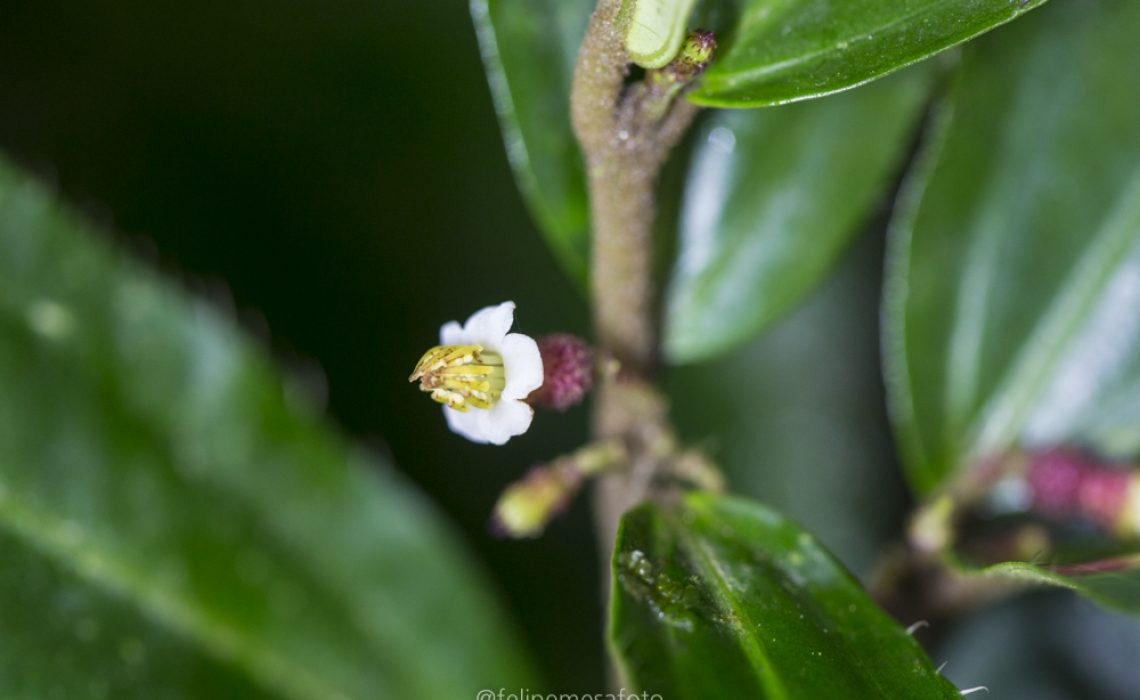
(523, 364)
(470, 425)
(506, 419)
(488, 327)
(452, 334)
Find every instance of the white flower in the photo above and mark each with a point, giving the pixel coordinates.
(482, 374)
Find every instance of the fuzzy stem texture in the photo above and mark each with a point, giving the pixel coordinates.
(626, 133)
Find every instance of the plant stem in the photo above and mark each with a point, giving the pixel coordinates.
(914, 579)
(625, 132)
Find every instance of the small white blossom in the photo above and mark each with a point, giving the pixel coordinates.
(482, 374)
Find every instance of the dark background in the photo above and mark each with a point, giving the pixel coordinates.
(336, 167)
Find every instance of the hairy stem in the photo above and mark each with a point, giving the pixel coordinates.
(625, 132)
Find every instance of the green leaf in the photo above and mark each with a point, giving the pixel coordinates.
(529, 48)
(655, 30)
(772, 199)
(790, 399)
(781, 51)
(721, 598)
(1012, 293)
(1011, 299)
(1111, 582)
(175, 522)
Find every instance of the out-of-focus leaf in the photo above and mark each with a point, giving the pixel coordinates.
(1111, 582)
(175, 523)
(782, 51)
(1012, 290)
(721, 598)
(771, 201)
(807, 396)
(529, 47)
(1013, 286)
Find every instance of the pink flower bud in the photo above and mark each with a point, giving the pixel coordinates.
(1103, 494)
(568, 371)
(1067, 484)
(1054, 479)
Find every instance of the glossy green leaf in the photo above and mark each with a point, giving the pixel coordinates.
(1012, 294)
(721, 598)
(772, 199)
(789, 399)
(1012, 290)
(175, 522)
(529, 48)
(780, 51)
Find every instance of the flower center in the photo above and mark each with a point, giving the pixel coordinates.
(461, 376)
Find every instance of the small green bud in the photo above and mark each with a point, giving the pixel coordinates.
(694, 57)
(656, 29)
(528, 505)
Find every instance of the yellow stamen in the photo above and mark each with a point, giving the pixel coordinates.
(461, 376)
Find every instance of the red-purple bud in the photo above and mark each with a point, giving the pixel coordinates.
(1065, 483)
(1103, 494)
(568, 371)
(1054, 479)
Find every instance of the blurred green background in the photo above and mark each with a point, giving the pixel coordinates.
(333, 172)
